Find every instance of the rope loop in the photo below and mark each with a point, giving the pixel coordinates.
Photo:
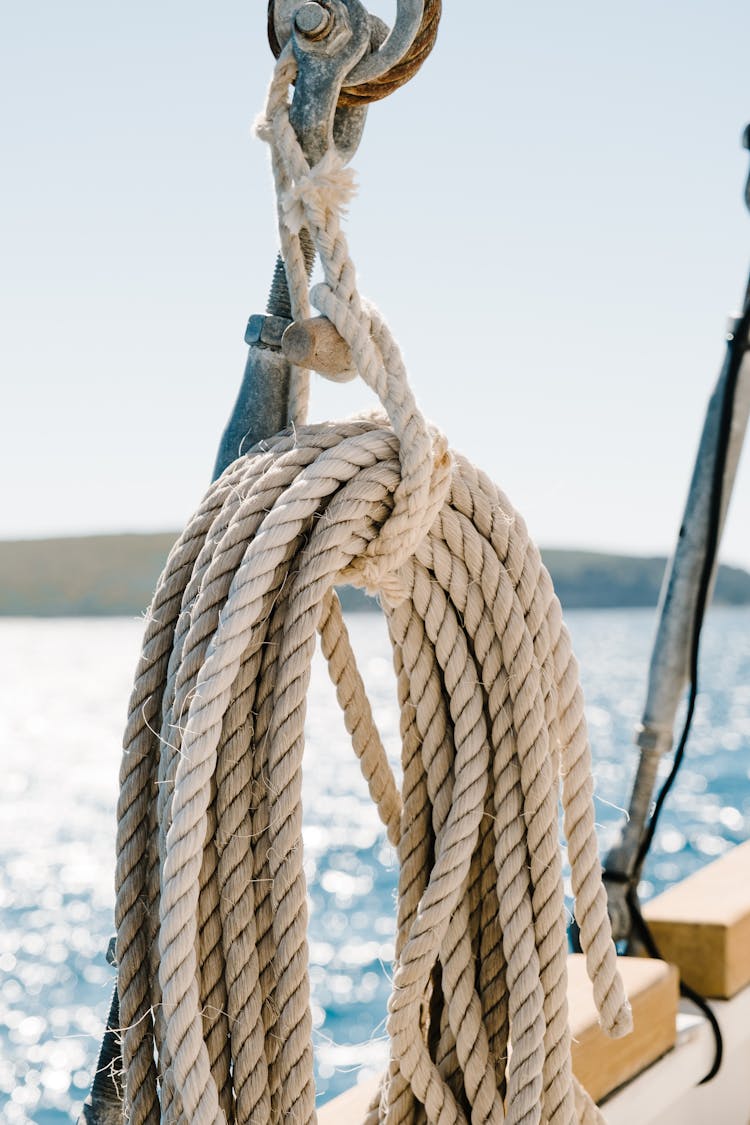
(314, 198)
(211, 906)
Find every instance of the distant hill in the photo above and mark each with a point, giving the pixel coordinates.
(96, 575)
(586, 579)
(108, 575)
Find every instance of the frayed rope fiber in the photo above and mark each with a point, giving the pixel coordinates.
(211, 899)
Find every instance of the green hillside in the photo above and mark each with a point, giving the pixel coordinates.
(585, 579)
(98, 575)
(116, 574)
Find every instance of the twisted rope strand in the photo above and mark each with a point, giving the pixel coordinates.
(211, 898)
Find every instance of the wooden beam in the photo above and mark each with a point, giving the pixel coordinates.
(703, 925)
(350, 1108)
(600, 1064)
(316, 343)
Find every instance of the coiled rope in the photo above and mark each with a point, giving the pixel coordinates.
(211, 903)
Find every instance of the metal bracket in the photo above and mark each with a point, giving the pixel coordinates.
(328, 40)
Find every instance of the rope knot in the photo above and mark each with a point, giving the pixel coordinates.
(325, 189)
(382, 569)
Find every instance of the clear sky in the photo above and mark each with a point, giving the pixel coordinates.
(550, 216)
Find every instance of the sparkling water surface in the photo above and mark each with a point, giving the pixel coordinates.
(63, 695)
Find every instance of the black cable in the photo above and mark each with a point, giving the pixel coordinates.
(639, 924)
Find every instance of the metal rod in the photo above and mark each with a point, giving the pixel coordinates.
(261, 408)
(668, 673)
(262, 404)
(103, 1106)
(678, 605)
(328, 42)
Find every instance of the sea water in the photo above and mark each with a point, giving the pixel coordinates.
(63, 695)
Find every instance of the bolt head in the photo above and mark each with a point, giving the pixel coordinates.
(312, 20)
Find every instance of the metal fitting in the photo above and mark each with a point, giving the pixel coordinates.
(653, 739)
(312, 20)
(266, 330)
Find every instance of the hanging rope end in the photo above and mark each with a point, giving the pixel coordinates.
(622, 1024)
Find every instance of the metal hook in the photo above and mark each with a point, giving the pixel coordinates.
(746, 143)
(328, 40)
(388, 45)
(409, 15)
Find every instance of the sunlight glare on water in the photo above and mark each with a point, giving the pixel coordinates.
(63, 699)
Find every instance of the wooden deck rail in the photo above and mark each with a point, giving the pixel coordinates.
(601, 1064)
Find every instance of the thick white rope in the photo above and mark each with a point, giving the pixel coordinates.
(211, 899)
